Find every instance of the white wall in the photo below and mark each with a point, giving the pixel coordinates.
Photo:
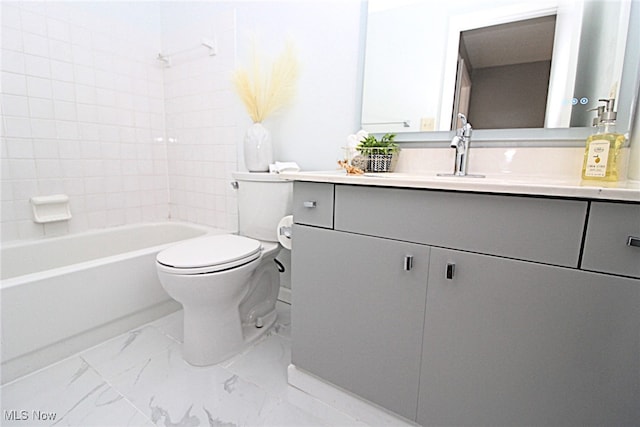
(200, 120)
(82, 107)
(84, 99)
(327, 107)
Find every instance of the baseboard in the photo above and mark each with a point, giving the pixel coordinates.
(344, 401)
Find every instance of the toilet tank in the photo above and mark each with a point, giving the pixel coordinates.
(263, 199)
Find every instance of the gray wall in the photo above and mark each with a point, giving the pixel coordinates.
(517, 95)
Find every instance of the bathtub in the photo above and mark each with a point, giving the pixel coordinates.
(64, 294)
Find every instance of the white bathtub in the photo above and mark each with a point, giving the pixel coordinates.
(64, 294)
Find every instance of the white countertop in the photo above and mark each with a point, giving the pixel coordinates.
(536, 186)
(541, 171)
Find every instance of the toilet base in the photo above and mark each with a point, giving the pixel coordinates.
(199, 352)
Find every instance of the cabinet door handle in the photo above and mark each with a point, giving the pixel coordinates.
(633, 241)
(408, 263)
(310, 204)
(451, 270)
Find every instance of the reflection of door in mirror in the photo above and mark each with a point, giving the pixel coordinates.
(463, 91)
(503, 74)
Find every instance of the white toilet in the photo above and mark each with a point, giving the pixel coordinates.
(228, 284)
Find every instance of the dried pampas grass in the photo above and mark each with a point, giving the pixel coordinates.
(263, 93)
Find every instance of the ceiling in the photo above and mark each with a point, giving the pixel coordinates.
(513, 43)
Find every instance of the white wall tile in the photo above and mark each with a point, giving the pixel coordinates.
(82, 55)
(85, 94)
(22, 169)
(34, 44)
(32, 23)
(13, 105)
(60, 50)
(69, 149)
(84, 75)
(23, 190)
(39, 87)
(80, 36)
(19, 148)
(43, 128)
(48, 168)
(37, 66)
(63, 91)
(12, 62)
(65, 110)
(58, 30)
(11, 16)
(17, 127)
(67, 129)
(85, 108)
(45, 149)
(15, 84)
(41, 108)
(62, 71)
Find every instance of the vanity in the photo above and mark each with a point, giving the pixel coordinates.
(454, 301)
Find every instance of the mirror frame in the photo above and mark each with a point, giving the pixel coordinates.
(557, 137)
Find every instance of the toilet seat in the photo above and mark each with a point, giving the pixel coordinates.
(209, 254)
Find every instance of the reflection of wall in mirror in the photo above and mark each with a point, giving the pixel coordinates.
(403, 73)
(510, 96)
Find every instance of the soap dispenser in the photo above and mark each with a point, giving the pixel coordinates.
(603, 156)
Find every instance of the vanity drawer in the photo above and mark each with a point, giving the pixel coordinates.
(313, 204)
(607, 246)
(527, 228)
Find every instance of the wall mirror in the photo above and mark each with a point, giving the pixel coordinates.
(500, 61)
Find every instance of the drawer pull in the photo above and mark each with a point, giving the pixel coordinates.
(633, 241)
(451, 270)
(310, 204)
(408, 263)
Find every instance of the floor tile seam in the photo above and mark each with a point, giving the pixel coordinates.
(117, 390)
(149, 355)
(44, 368)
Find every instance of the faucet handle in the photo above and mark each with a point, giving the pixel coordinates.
(466, 128)
(463, 119)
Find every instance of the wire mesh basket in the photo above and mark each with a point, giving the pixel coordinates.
(380, 161)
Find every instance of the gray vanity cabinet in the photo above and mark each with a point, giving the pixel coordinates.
(357, 313)
(509, 342)
(458, 309)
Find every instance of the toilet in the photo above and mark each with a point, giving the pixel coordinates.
(228, 284)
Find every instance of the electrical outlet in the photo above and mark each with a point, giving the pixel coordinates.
(427, 123)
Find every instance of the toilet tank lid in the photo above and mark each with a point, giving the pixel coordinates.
(209, 251)
(257, 176)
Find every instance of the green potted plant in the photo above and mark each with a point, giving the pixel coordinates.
(381, 154)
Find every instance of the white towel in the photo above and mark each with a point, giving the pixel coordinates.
(278, 167)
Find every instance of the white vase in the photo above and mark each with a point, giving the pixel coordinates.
(258, 151)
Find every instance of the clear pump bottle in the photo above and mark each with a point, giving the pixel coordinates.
(603, 156)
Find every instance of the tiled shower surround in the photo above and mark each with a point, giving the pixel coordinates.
(88, 110)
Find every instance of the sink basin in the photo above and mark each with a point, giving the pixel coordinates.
(488, 178)
(452, 175)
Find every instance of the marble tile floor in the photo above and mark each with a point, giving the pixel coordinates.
(140, 379)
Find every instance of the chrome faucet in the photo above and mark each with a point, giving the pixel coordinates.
(461, 142)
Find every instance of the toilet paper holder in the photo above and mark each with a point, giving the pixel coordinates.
(285, 231)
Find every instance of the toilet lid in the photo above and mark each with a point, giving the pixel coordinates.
(223, 250)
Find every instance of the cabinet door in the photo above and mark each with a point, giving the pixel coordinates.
(357, 313)
(515, 343)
